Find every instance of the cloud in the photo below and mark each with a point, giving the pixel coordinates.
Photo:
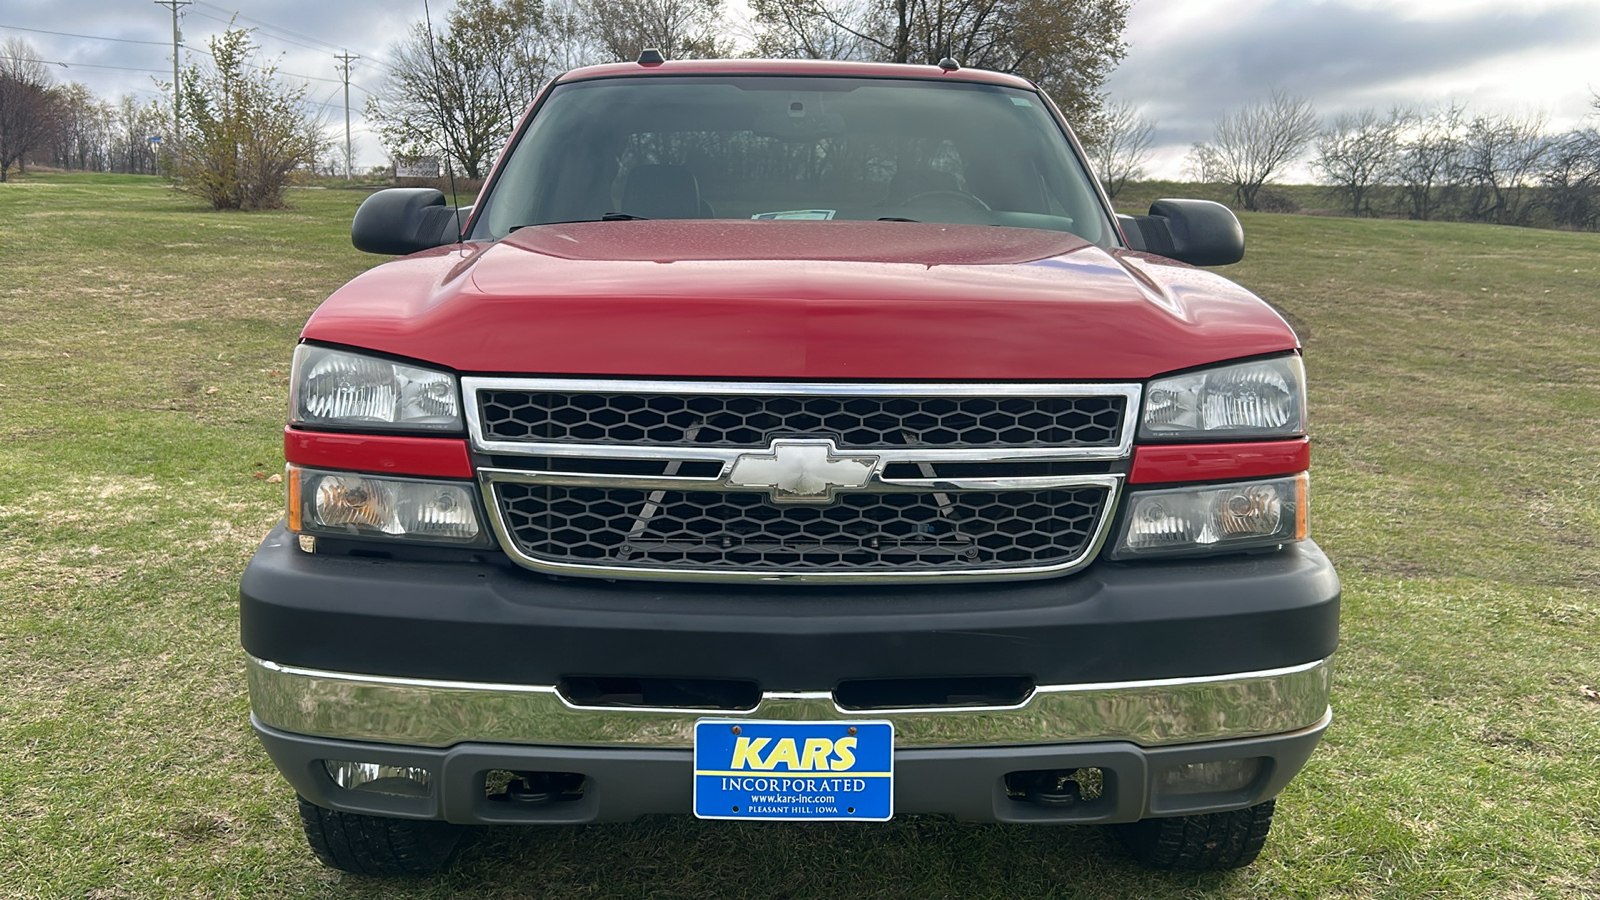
(1337, 53)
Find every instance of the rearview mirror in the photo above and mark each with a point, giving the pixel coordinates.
(1198, 232)
(405, 220)
(794, 126)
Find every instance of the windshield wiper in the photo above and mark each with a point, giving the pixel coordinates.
(608, 217)
(895, 219)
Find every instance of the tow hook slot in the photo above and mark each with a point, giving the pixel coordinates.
(1056, 788)
(529, 789)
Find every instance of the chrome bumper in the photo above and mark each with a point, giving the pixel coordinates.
(427, 713)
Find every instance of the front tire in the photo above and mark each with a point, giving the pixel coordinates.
(377, 845)
(1202, 843)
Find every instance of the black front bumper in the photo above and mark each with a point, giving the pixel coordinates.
(623, 783)
(484, 622)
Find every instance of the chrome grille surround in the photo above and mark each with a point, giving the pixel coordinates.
(798, 525)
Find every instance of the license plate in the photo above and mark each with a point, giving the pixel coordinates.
(811, 771)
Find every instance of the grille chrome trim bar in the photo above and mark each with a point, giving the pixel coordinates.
(471, 385)
(488, 478)
(878, 484)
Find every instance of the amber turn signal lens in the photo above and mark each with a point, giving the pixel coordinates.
(291, 481)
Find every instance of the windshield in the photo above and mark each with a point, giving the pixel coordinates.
(780, 147)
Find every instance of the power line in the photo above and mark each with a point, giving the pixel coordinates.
(277, 71)
(269, 25)
(264, 33)
(78, 65)
(91, 37)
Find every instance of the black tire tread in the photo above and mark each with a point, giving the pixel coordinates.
(1201, 843)
(377, 845)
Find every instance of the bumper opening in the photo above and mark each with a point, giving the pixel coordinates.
(931, 693)
(662, 693)
(530, 789)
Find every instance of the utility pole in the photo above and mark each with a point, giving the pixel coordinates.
(177, 96)
(346, 58)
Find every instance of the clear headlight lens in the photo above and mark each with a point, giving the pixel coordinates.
(347, 390)
(1213, 519)
(1264, 398)
(344, 504)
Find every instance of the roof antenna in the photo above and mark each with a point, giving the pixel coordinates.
(449, 170)
(650, 56)
(948, 63)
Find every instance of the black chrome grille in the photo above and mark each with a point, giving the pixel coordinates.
(754, 420)
(866, 532)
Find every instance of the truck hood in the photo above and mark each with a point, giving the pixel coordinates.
(799, 299)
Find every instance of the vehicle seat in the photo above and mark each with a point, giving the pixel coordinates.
(662, 192)
(913, 182)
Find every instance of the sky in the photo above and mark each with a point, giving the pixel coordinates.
(1188, 62)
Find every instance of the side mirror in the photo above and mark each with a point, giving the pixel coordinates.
(398, 221)
(1197, 232)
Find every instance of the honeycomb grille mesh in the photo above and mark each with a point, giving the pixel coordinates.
(869, 532)
(753, 421)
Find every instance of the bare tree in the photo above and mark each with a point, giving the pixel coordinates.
(566, 37)
(84, 125)
(27, 104)
(1248, 148)
(809, 29)
(1357, 154)
(680, 29)
(131, 150)
(1572, 180)
(1501, 158)
(1121, 147)
(1428, 165)
(461, 90)
(1067, 48)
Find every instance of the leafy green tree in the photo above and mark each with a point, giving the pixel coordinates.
(245, 134)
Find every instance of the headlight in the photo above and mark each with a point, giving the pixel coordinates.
(1265, 398)
(1192, 521)
(346, 390)
(345, 504)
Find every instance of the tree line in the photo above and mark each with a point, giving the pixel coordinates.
(67, 126)
(457, 89)
(1431, 163)
(454, 89)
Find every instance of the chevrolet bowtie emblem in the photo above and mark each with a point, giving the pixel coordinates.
(803, 471)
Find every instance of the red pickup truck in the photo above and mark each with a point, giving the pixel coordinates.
(781, 440)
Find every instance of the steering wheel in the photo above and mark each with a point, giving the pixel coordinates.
(968, 199)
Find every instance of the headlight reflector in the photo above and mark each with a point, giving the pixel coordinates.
(1191, 521)
(346, 504)
(1262, 398)
(347, 390)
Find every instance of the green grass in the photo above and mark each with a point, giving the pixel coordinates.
(143, 351)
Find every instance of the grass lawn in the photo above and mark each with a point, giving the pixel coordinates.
(144, 348)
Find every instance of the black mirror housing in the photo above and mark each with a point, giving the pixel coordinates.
(1198, 232)
(398, 221)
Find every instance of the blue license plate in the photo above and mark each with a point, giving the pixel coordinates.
(811, 771)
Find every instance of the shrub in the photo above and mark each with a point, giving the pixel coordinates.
(245, 134)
